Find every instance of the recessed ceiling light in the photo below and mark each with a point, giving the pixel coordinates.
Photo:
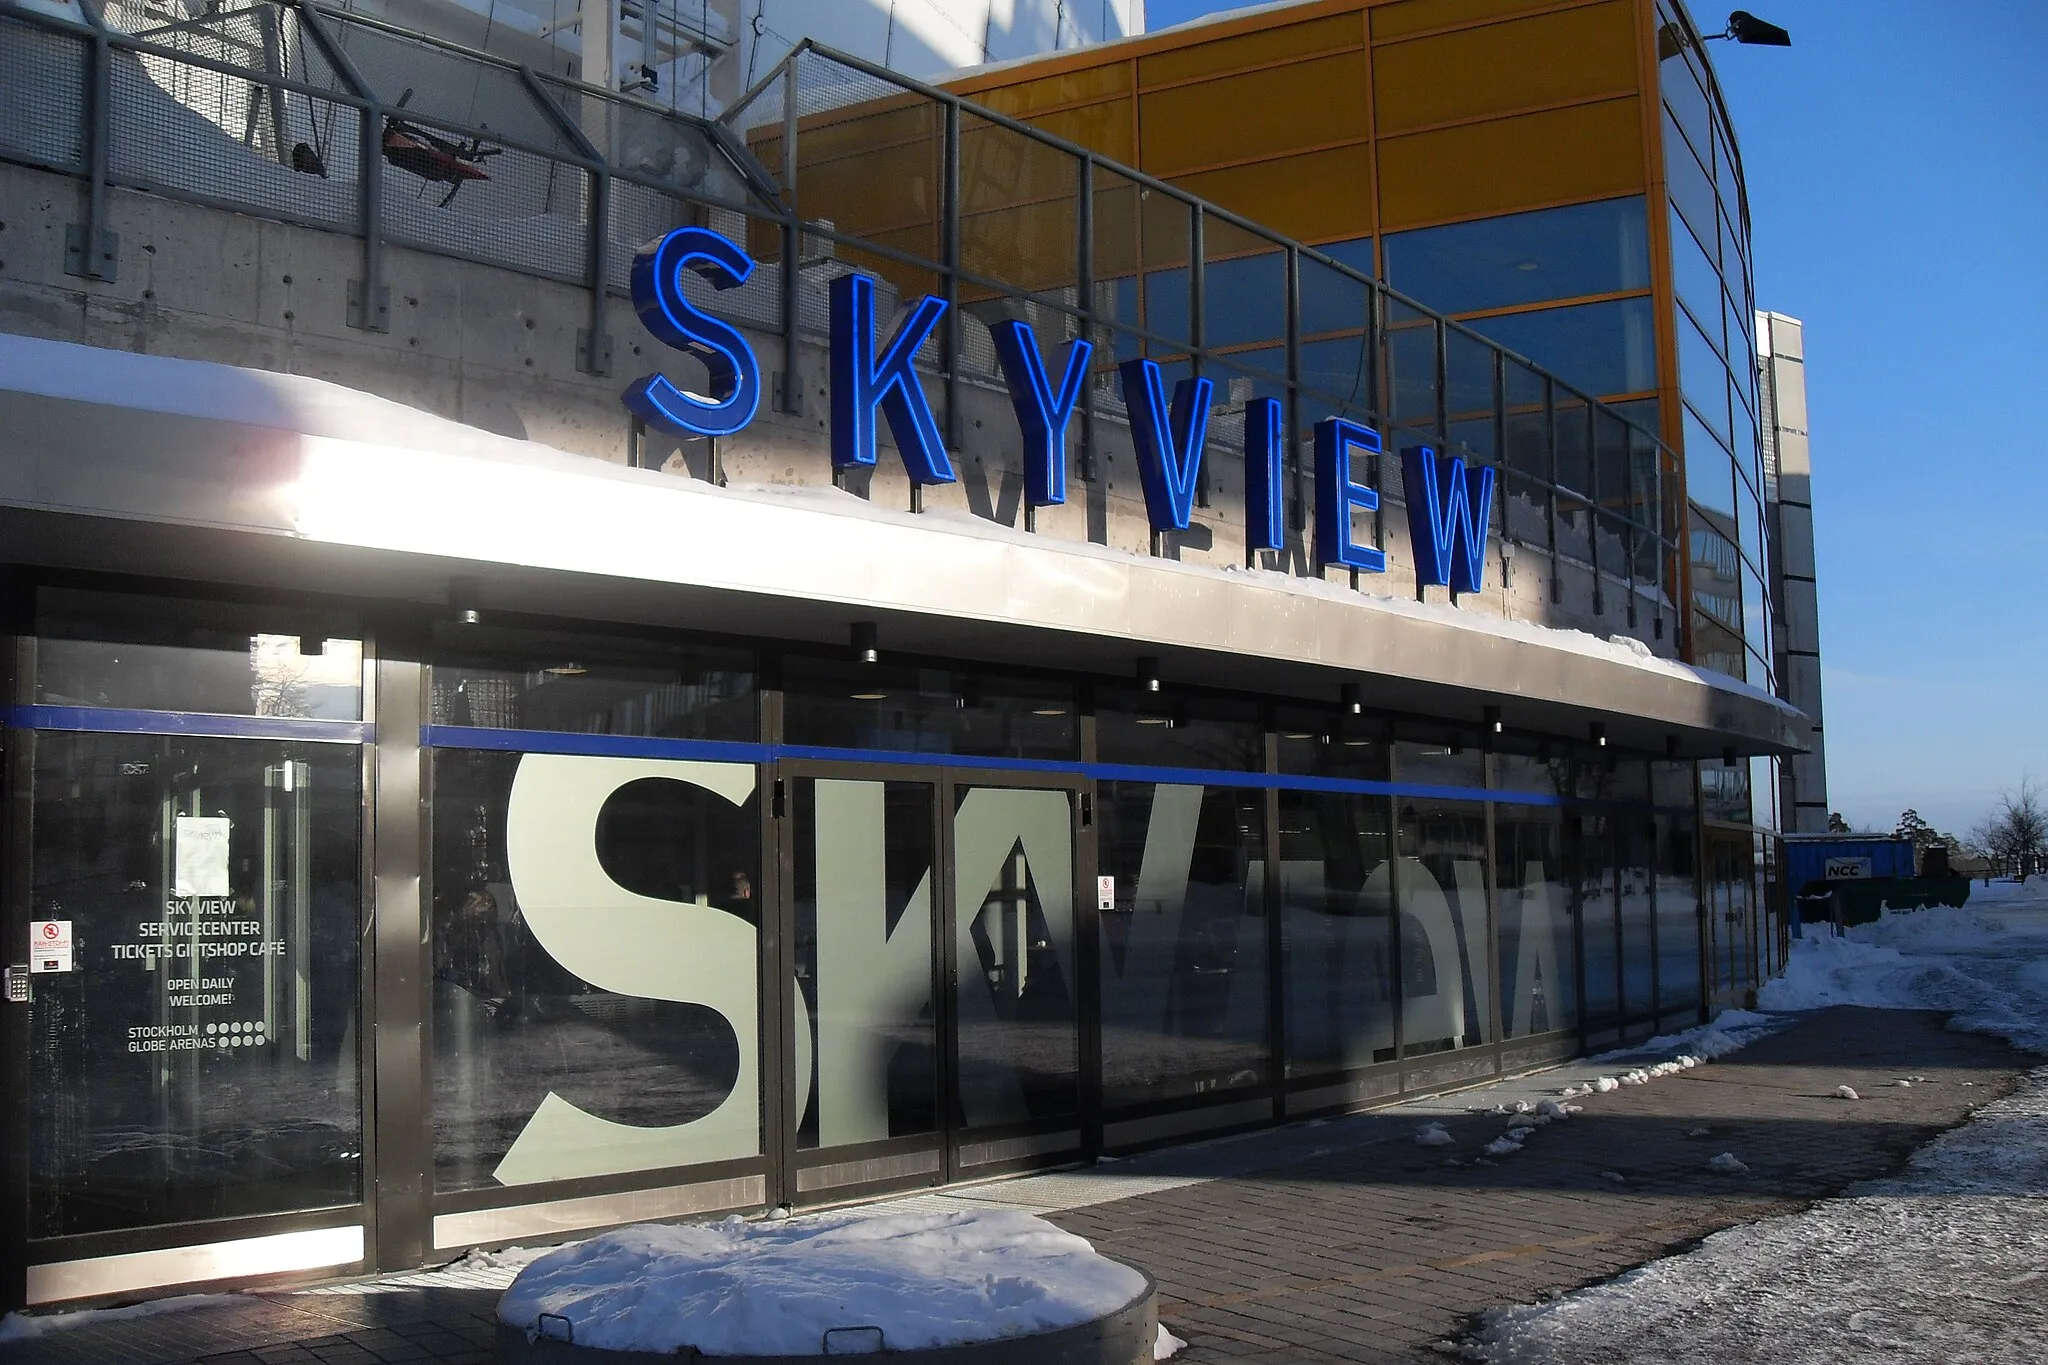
(1049, 711)
(870, 696)
(1155, 720)
(568, 670)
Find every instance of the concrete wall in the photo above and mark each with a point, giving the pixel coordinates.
(498, 350)
(1781, 365)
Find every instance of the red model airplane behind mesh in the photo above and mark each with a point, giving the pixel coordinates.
(437, 160)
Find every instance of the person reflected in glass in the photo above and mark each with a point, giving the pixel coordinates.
(469, 953)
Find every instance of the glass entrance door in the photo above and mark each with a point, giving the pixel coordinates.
(1015, 990)
(931, 944)
(865, 896)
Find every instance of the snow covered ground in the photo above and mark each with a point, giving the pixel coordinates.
(1946, 1262)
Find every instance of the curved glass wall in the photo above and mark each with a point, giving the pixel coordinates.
(1716, 346)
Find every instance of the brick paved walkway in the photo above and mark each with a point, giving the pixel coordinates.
(1338, 1241)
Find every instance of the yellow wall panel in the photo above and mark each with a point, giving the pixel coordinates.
(1180, 63)
(1257, 114)
(1050, 92)
(1319, 196)
(1582, 152)
(1496, 68)
(1420, 16)
(1102, 128)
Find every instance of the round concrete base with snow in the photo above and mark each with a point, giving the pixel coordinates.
(1124, 1337)
(958, 1287)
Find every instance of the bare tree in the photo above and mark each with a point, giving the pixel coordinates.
(2016, 831)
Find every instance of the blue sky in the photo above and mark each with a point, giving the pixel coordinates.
(1897, 162)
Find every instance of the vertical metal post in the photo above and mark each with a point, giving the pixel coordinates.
(1297, 502)
(1440, 358)
(1195, 329)
(1550, 492)
(949, 251)
(790, 401)
(1628, 523)
(1084, 279)
(1375, 339)
(403, 1156)
(1500, 456)
(1593, 505)
(91, 250)
(369, 301)
(595, 342)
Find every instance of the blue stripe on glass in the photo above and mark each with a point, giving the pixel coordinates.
(639, 746)
(111, 720)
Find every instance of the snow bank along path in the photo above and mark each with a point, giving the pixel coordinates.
(738, 1288)
(1945, 1262)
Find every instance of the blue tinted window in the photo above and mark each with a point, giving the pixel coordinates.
(1709, 476)
(1692, 270)
(1691, 188)
(1166, 303)
(1688, 103)
(1702, 378)
(1337, 368)
(1332, 301)
(1603, 348)
(1244, 300)
(1562, 253)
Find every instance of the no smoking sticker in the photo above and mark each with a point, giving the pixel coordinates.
(49, 945)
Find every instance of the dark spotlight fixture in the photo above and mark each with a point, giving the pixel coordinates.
(463, 594)
(1671, 746)
(866, 643)
(1491, 718)
(1727, 758)
(1743, 27)
(1148, 673)
(313, 642)
(1349, 699)
(1751, 31)
(1599, 732)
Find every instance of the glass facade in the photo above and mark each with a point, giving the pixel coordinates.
(1714, 303)
(701, 910)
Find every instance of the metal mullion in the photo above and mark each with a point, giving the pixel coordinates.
(1500, 454)
(1276, 933)
(1629, 527)
(945, 1014)
(17, 889)
(401, 968)
(1375, 377)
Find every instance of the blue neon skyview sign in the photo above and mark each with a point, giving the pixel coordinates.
(1448, 505)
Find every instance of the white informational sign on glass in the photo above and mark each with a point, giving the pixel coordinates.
(1105, 893)
(200, 862)
(49, 945)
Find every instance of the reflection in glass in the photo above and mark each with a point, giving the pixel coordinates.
(1636, 861)
(199, 1060)
(1177, 731)
(1014, 993)
(223, 658)
(1336, 898)
(863, 860)
(1446, 964)
(1678, 914)
(1599, 923)
(1562, 253)
(1184, 950)
(595, 965)
(837, 703)
(555, 680)
(1532, 904)
(1449, 759)
(1601, 348)
(1320, 743)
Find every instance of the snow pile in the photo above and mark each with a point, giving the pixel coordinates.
(737, 1288)
(1846, 1092)
(1987, 968)
(1727, 1164)
(1942, 1263)
(1166, 1345)
(23, 1327)
(1433, 1135)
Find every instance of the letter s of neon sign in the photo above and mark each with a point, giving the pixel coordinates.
(658, 298)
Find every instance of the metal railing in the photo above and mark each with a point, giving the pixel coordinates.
(289, 110)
